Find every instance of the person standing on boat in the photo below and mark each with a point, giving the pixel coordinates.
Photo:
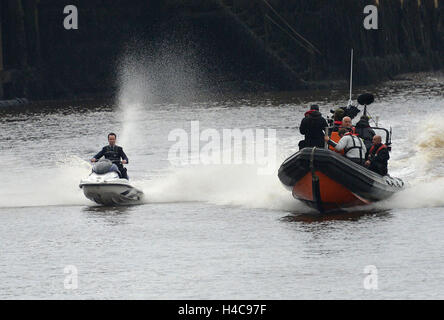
(353, 146)
(378, 157)
(114, 153)
(312, 127)
(364, 131)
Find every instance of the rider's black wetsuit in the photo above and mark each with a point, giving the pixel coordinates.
(114, 153)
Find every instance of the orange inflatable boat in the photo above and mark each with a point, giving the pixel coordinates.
(326, 180)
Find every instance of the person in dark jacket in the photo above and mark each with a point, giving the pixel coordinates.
(378, 156)
(364, 131)
(114, 153)
(312, 126)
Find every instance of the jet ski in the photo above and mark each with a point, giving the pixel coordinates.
(105, 186)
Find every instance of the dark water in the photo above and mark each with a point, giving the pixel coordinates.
(215, 231)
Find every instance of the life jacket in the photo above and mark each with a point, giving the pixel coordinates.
(370, 153)
(353, 131)
(346, 150)
(112, 153)
(335, 137)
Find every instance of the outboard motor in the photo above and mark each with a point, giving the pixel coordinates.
(102, 167)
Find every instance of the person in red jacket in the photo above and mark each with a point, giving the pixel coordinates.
(378, 156)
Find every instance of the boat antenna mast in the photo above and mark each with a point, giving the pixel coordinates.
(351, 78)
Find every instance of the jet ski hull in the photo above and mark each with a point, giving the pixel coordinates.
(328, 181)
(111, 191)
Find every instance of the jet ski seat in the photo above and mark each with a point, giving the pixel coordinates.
(104, 166)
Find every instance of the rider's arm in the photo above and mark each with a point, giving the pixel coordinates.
(123, 155)
(100, 154)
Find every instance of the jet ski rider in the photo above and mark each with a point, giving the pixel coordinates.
(113, 153)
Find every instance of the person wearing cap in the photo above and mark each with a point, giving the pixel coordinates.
(337, 116)
(312, 127)
(313, 107)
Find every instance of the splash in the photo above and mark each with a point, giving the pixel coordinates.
(422, 166)
(237, 185)
(34, 187)
(134, 94)
(427, 194)
(170, 70)
(428, 159)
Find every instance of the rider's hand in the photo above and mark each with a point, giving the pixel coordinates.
(124, 162)
(367, 163)
(326, 138)
(93, 160)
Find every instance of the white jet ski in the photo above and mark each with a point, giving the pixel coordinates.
(104, 186)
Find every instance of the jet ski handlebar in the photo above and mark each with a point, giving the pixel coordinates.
(113, 161)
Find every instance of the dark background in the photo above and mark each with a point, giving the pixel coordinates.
(233, 45)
